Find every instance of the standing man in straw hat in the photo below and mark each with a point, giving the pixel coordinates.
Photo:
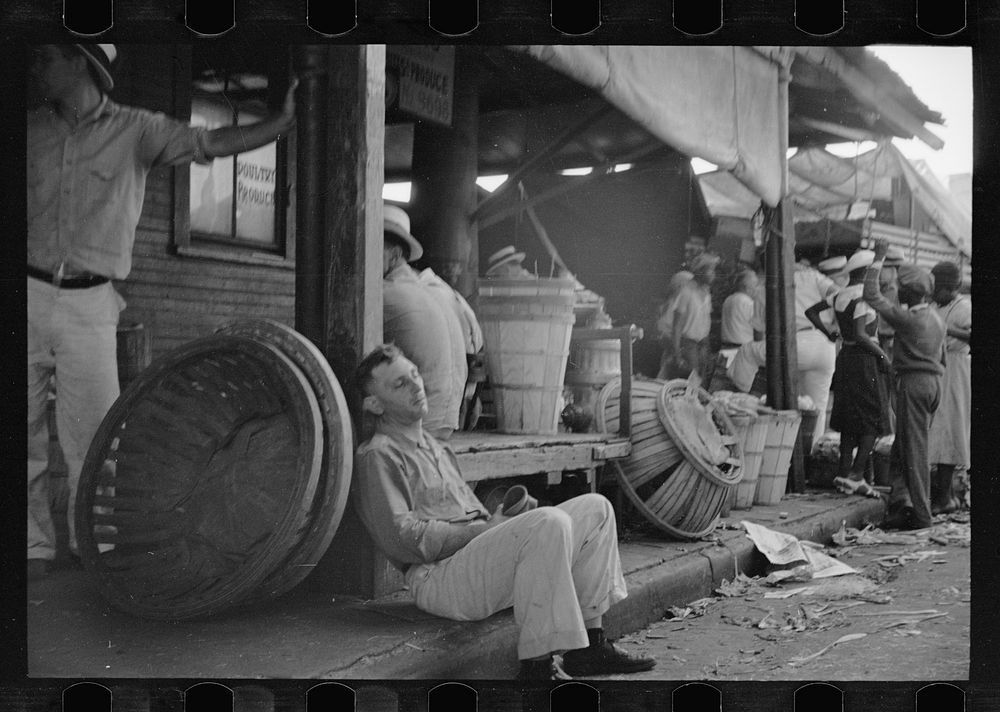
(918, 360)
(88, 158)
(424, 327)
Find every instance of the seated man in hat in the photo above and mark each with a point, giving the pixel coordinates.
(918, 362)
(420, 320)
(87, 162)
(557, 566)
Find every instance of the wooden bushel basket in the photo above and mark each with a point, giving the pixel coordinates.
(670, 481)
(591, 365)
(526, 326)
(201, 479)
(782, 433)
(338, 455)
(752, 432)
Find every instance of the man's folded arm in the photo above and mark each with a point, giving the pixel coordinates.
(386, 507)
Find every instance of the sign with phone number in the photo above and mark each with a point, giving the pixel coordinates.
(426, 75)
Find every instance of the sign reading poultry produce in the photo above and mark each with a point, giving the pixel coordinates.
(425, 76)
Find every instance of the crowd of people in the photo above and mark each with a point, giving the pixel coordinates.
(903, 366)
(883, 339)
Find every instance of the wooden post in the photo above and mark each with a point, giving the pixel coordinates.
(782, 353)
(445, 168)
(338, 287)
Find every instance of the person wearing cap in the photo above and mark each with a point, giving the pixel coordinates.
(87, 162)
(505, 263)
(833, 267)
(918, 362)
(860, 383)
(814, 340)
(692, 320)
(422, 321)
(951, 427)
(558, 566)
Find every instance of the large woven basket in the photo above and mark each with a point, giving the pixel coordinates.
(338, 454)
(201, 480)
(667, 477)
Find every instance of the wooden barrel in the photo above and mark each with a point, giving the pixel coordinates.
(782, 433)
(338, 453)
(752, 432)
(526, 326)
(201, 479)
(591, 365)
(135, 352)
(668, 480)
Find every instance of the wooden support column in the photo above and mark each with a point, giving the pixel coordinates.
(782, 351)
(338, 286)
(445, 168)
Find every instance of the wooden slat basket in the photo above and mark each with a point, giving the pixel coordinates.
(782, 433)
(202, 479)
(338, 454)
(668, 480)
(526, 325)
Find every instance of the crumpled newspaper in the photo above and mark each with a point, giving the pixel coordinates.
(783, 549)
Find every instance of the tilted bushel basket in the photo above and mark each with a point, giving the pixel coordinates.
(338, 455)
(685, 455)
(202, 479)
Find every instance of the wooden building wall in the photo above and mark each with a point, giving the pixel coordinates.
(179, 298)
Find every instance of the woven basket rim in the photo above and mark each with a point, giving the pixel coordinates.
(255, 569)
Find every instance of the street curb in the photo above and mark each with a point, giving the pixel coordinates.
(488, 649)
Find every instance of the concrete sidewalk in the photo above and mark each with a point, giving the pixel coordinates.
(313, 634)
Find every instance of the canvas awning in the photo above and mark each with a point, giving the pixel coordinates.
(823, 185)
(726, 105)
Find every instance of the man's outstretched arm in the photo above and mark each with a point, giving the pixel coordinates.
(227, 140)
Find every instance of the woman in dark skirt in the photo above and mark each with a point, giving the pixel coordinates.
(860, 382)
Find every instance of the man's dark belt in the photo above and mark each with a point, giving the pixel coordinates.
(78, 282)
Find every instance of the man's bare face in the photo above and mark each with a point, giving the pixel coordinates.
(51, 75)
(397, 391)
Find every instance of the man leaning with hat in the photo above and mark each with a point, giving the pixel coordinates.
(88, 158)
(918, 364)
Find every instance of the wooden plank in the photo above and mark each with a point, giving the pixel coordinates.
(525, 461)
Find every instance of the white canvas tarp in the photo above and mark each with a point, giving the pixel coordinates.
(726, 105)
(823, 185)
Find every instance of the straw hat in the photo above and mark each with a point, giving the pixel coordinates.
(859, 260)
(894, 256)
(396, 221)
(503, 257)
(100, 57)
(832, 265)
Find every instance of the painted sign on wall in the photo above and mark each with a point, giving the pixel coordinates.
(425, 76)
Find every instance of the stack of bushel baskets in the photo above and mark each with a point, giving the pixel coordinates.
(685, 460)
(219, 477)
(768, 439)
